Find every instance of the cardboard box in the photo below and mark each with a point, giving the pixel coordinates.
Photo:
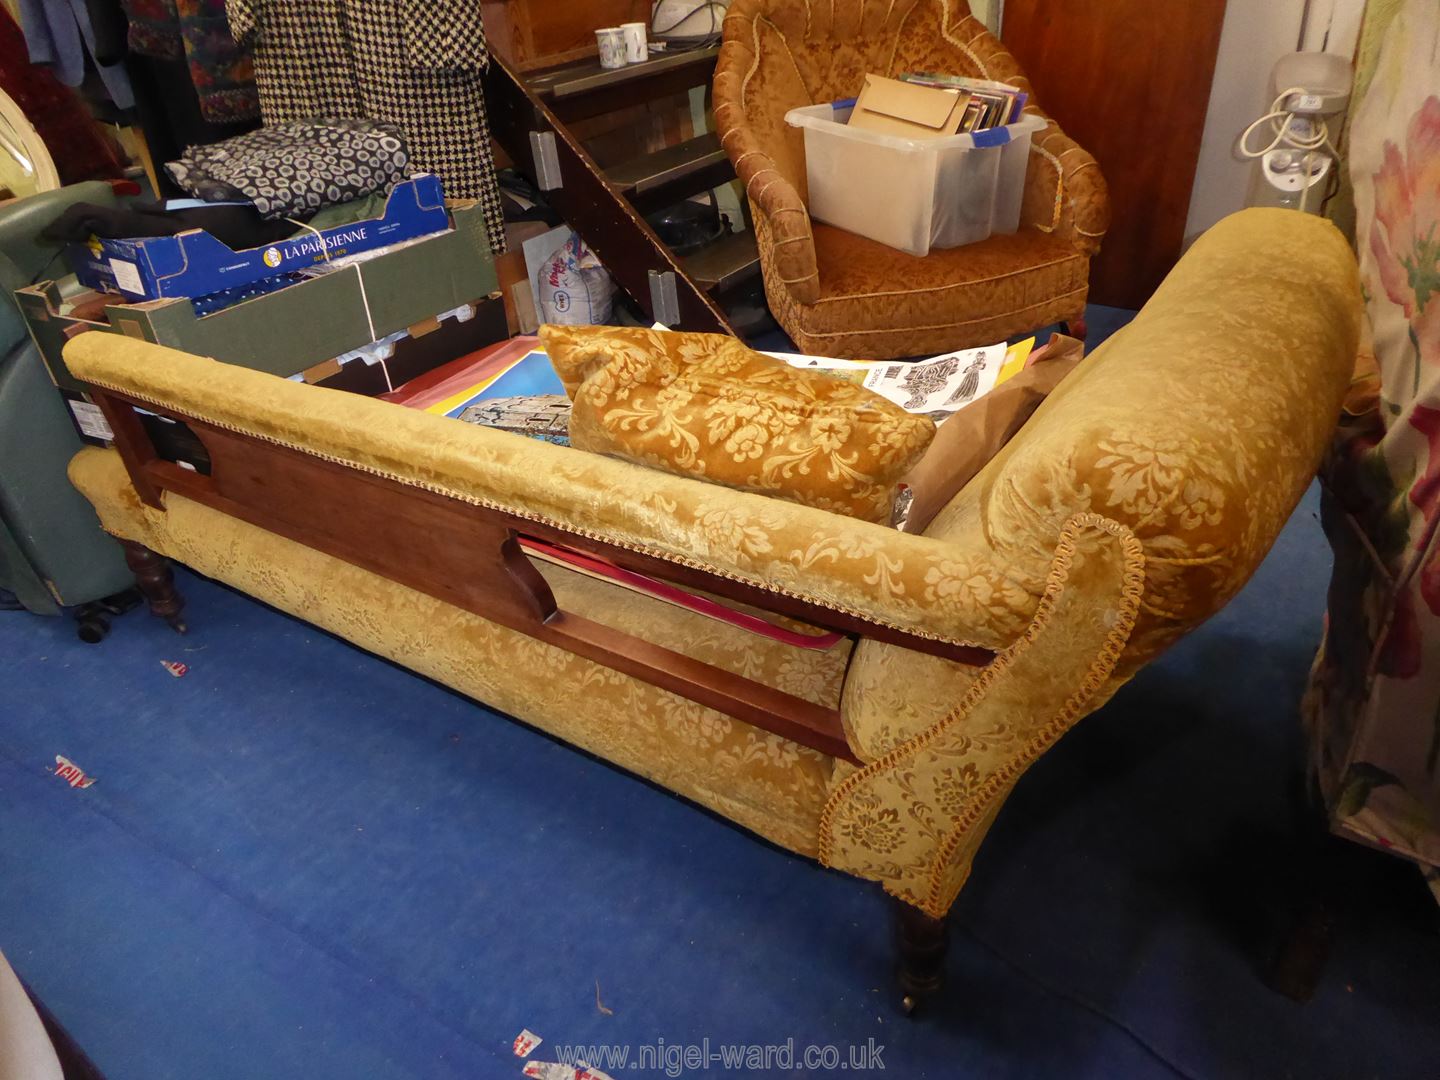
(285, 332)
(194, 263)
(892, 107)
(413, 357)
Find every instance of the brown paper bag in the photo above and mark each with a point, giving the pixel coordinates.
(976, 433)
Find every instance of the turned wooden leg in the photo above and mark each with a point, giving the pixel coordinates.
(156, 583)
(921, 942)
(1300, 957)
(1320, 876)
(1322, 901)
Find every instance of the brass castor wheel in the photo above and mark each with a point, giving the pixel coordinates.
(909, 1004)
(178, 625)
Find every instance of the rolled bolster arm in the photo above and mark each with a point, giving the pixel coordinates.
(1065, 192)
(914, 818)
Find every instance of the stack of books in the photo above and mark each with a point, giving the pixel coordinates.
(989, 104)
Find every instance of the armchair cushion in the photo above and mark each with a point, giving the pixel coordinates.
(877, 301)
(704, 405)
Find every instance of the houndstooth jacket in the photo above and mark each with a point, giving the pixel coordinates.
(418, 64)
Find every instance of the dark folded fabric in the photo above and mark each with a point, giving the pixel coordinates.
(219, 301)
(108, 28)
(237, 226)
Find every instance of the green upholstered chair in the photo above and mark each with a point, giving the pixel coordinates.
(53, 553)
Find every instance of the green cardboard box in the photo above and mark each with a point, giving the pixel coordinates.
(287, 331)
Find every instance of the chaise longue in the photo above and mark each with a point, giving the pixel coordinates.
(1132, 506)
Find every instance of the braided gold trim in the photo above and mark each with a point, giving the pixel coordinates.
(1042, 305)
(530, 515)
(1132, 590)
(1058, 209)
(754, 63)
(1070, 257)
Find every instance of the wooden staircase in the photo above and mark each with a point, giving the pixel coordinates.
(530, 117)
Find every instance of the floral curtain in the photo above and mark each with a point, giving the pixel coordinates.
(1374, 702)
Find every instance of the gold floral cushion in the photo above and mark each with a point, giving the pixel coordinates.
(703, 405)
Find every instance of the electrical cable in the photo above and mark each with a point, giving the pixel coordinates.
(1281, 121)
(706, 5)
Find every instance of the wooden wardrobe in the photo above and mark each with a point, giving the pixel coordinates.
(1129, 80)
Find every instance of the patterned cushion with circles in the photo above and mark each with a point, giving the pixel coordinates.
(297, 168)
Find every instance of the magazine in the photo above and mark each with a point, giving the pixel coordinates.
(512, 387)
(938, 387)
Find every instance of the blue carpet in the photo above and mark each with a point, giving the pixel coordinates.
(301, 861)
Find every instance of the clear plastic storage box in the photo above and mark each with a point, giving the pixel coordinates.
(914, 194)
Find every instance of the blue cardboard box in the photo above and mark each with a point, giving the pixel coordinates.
(194, 263)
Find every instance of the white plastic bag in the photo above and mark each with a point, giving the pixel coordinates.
(575, 289)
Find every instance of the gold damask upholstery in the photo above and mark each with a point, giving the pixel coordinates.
(704, 405)
(764, 782)
(1139, 498)
(838, 294)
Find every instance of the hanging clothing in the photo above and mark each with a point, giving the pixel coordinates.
(418, 64)
(58, 34)
(169, 112)
(198, 32)
(108, 26)
(296, 168)
(79, 146)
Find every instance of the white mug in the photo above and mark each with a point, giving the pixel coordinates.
(611, 41)
(635, 47)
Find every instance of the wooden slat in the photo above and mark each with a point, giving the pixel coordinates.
(134, 444)
(609, 225)
(584, 89)
(187, 483)
(461, 559)
(730, 261)
(773, 710)
(672, 173)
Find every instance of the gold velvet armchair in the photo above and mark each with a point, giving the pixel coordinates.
(838, 294)
(1136, 501)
